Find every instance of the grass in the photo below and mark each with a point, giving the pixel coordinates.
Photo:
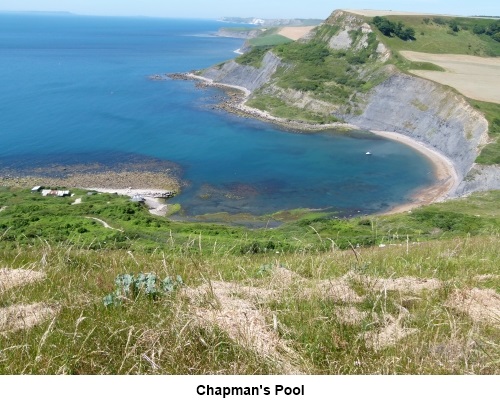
(279, 108)
(269, 40)
(406, 65)
(452, 242)
(331, 76)
(431, 37)
(161, 337)
(30, 217)
(253, 57)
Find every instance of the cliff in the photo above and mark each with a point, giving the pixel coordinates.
(429, 113)
(362, 87)
(250, 77)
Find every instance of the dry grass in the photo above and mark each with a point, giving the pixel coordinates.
(295, 33)
(350, 315)
(337, 290)
(473, 76)
(481, 305)
(218, 304)
(16, 317)
(10, 278)
(390, 332)
(402, 284)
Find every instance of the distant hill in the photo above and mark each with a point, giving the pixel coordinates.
(62, 13)
(273, 22)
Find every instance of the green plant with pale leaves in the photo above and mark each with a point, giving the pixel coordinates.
(130, 287)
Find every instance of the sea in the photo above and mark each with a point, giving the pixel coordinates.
(77, 90)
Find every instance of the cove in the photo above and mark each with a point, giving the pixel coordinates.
(77, 89)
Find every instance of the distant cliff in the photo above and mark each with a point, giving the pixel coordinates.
(249, 77)
(366, 90)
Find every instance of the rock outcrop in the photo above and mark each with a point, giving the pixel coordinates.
(249, 77)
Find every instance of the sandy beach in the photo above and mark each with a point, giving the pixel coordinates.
(444, 170)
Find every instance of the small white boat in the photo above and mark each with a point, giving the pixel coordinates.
(368, 153)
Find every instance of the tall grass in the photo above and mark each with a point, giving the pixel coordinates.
(161, 337)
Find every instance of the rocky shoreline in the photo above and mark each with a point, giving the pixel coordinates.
(97, 180)
(235, 100)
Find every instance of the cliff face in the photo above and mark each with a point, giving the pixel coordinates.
(429, 113)
(480, 178)
(245, 76)
(426, 111)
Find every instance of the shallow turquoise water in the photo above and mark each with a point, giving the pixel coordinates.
(75, 90)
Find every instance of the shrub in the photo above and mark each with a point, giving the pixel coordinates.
(389, 29)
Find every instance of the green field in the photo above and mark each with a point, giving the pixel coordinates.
(269, 40)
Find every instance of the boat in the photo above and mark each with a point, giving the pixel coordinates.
(368, 153)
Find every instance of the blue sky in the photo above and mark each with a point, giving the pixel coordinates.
(248, 8)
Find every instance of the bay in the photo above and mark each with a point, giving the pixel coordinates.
(75, 89)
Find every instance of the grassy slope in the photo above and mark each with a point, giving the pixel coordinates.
(438, 38)
(490, 154)
(269, 37)
(30, 217)
(331, 76)
(89, 338)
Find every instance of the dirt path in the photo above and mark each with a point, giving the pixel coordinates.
(105, 224)
(473, 76)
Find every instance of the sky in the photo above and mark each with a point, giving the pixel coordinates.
(249, 8)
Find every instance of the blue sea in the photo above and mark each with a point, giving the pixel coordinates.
(75, 90)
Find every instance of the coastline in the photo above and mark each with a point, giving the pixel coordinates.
(155, 207)
(444, 173)
(236, 105)
(150, 181)
(444, 169)
(152, 186)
